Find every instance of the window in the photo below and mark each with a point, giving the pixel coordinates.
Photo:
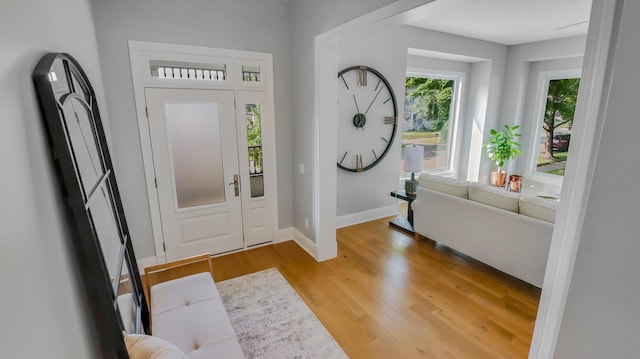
(187, 70)
(555, 123)
(250, 73)
(254, 148)
(430, 119)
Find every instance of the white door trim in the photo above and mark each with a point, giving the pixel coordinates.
(594, 86)
(577, 182)
(139, 52)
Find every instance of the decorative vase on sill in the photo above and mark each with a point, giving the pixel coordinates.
(515, 183)
(498, 178)
(503, 145)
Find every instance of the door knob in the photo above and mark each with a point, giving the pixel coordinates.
(236, 185)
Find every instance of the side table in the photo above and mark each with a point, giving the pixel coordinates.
(405, 224)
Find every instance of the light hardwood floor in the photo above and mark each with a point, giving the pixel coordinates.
(388, 295)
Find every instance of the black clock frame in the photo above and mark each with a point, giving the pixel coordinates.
(395, 115)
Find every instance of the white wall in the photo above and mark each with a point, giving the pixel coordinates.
(422, 62)
(40, 312)
(474, 134)
(488, 62)
(367, 191)
(602, 316)
(311, 18)
(363, 191)
(252, 25)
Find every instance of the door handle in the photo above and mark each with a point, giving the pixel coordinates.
(236, 185)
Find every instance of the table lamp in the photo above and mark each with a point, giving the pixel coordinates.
(413, 162)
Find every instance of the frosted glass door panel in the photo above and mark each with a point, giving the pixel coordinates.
(195, 155)
(193, 131)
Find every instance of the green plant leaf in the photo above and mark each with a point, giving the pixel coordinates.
(503, 145)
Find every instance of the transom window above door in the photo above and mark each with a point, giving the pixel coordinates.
(187, 70)
(229, 69)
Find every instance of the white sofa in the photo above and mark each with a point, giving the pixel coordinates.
(508, 231)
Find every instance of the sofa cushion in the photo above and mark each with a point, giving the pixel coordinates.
(540, 208)
(494, 196)
(189, 313)
(452, 186)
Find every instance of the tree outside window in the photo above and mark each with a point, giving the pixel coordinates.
(427, 113)
(254, 138)
(556, 125)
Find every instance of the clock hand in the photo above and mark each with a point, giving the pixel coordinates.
(372, 101)
(354, 100)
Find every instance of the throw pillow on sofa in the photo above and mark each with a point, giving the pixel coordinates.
(452, 186)
(140, 346)
(494, 196)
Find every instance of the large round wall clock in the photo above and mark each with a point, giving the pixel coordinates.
(367, 118)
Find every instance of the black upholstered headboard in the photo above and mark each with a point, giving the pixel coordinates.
(99, 242)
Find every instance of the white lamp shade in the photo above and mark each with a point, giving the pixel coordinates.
(413, 158)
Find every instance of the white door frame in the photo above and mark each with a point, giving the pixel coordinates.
(140, 52)
(577, 182)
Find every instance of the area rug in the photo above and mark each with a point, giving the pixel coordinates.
(272, 321)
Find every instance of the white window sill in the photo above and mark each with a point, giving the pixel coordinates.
(538, 183)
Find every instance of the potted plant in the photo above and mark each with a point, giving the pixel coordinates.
(503, 145)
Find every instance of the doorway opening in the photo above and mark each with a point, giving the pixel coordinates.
(576, 184)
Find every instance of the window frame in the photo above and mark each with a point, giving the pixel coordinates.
(455, 130)
(542, 90)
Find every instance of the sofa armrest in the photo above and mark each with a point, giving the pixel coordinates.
(173, 270)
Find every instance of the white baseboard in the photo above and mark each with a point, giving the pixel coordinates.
(283, 235)
(146, 262)
(366, 216)
(307, 244)
(292, 234)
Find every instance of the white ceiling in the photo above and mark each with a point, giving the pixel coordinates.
(507, 22)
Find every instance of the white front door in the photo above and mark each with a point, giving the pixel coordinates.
(195, 155)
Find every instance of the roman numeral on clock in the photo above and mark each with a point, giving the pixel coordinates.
(362, 76)
(359, 167)
(390, 121)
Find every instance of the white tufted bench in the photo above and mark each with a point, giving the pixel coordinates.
(189, 313)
